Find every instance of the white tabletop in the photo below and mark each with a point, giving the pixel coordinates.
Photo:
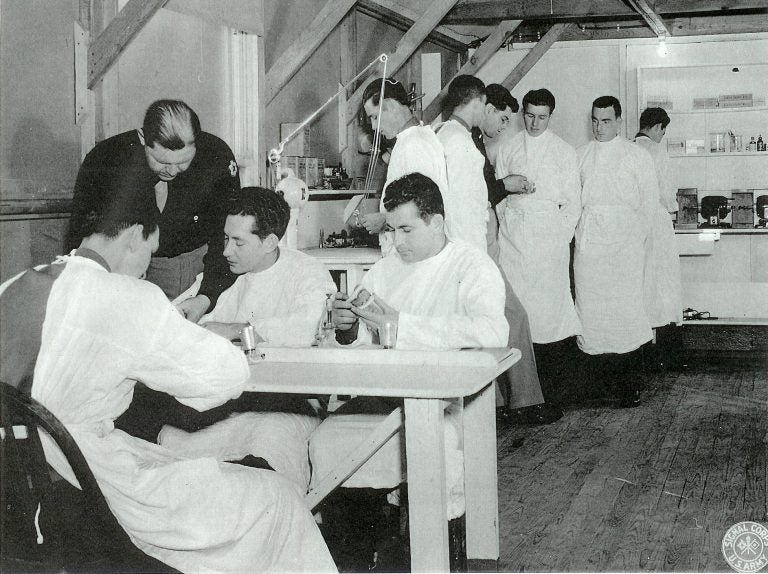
(379, 372)
(346, 255)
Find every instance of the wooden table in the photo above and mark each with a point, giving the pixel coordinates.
(424, 379)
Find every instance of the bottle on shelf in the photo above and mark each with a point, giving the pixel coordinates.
(760, 143)
(752, 144)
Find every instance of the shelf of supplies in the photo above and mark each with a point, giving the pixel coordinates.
(330, 194)
(729, 321)
(721, 154)
(718, 110)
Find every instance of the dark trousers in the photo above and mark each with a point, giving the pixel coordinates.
(150, 410)
(560, 369)
(617, 374)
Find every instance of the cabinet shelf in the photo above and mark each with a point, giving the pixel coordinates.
(717, 110)
(721, 154)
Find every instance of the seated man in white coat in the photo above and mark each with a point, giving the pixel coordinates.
(102, 330)
(435, 294)
(282, 293)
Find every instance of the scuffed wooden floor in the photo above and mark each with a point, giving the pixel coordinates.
(648, 489)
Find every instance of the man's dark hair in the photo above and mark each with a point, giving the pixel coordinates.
(541, 97)
(392, 91)
(608, 102)
(170, 123)
(652, 116)
(269, 209)
(500, 98)
(419, 189)
(462, 90)
(111, 218)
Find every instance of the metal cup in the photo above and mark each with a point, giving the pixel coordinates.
(248, 338)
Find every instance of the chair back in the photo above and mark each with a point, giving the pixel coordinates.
(40, 532)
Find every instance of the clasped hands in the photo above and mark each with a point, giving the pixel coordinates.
(518, 184)
(347, 312)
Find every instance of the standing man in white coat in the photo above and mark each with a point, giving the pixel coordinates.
(102, 330)
(535, 232)
(467, 216)
(619, 197)
(663, 289)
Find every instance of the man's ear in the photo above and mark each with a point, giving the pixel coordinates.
(437, 222)
(271, 242)
(135, 236)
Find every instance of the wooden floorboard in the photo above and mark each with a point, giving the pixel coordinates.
(649, 489)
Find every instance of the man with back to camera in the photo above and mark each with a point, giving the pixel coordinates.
(467, 197)
(619, 197)
(535, 235)
(103, 330)
(183, 173)
(663, 290)
(282, 294)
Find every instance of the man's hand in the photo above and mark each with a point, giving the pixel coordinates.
(342, 314)
(194, 307)
(373, 222)
(518, 184)
(378, 314)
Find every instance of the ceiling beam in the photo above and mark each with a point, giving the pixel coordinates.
(290, 61)
(403, 17)
(530, 59)
(122, 29)
(480, 11)
(407, 45)
(475, 62)
(652, 18)
(696, 26)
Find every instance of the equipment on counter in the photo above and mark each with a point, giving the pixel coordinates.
(296, 195)
(761, 207)
(714, 210)
(743, 216)
(688, 208)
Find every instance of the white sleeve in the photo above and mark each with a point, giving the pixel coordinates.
(482, 324)
(648, 188)
(198, 367)
(571, 189)
(462, 183)
(299, 327)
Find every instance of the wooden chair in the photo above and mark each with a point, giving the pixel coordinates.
(48, 525)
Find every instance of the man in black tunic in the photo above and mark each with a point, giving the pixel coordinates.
(183, 173)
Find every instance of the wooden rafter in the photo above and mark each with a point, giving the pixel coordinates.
(478, 11)
(475, 62)
(121, 30)
(289, 62)
(530, 59)
(407, 45)
(695, 26)
(403, 17)
(652, 18)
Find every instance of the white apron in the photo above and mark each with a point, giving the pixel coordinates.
(663, 289)
(535, 232)
(619, 191)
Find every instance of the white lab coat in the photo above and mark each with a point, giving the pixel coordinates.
(416, 150)
(102, 333)
(619, 197)
(450, 301)
(663, 289)
(466, 199)
(535, 231)
(284, 303)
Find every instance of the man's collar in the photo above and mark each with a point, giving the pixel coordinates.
(409, 124)
(462, 122)
(93, 256)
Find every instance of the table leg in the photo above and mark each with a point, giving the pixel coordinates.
(425, 459)
(481, 481)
